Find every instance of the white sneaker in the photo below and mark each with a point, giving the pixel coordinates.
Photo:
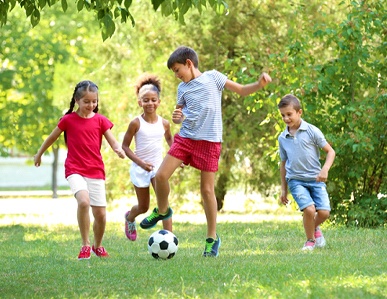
(309, 245)
(320, 240)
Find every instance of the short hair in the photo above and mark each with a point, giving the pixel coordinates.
(181, 54)
(288, 100)
(147, 82)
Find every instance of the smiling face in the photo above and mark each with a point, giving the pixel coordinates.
(87, 103)
(184, 72)
(149, 101)
(291, 117)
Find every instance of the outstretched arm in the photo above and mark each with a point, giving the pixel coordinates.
(114, 143)
(46, 144)
(247, 89)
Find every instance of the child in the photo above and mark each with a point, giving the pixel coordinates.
(301, 170)
(148, 130)
(84, 168)
(198, 143)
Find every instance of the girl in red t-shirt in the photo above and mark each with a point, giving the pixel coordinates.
(84, 168)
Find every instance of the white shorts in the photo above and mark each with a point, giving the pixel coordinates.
(140, 177)
(95, 188)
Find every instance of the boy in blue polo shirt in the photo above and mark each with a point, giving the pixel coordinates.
(301, 170)
(198, 143)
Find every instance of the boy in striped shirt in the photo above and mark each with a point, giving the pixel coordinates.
(198, 142)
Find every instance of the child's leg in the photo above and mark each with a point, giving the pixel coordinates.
(99, 224)
(143, 198)
(167, 168)
(321, 216)
(309, 221)
(83, 216)
(207, 185)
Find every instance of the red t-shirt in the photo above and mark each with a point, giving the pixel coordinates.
(84, 139)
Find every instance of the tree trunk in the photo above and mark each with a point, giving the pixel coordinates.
(221, 189)
(54, 182)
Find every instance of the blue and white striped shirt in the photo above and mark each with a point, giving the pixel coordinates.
(201, 99)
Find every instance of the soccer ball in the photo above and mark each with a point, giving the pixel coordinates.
(163, 244)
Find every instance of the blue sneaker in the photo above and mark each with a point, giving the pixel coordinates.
(155, 217)
(212, 247)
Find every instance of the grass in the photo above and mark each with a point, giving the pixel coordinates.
(257, 260)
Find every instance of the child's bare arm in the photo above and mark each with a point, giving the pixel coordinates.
(114, 144)
(247, 89)
(284, 185)
(46, 144)
(331, 154)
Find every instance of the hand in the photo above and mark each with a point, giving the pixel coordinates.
(37, 160)
(177, 115)
(120, 152)
(284, 199)
(264, 79)
(147, 166)
(322, 176)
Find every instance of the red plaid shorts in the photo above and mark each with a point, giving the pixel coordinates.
(201, 154)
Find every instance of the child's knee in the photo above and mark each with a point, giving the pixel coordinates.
(324, 214)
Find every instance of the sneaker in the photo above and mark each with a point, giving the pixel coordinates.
(153, 218)
(212, 247)
(84, 254)
(130, 228)
(309, 245)
(100, 251)
(320, 240)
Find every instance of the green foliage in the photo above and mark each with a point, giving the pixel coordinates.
(107, 12)
(343, 94)
(257, 260)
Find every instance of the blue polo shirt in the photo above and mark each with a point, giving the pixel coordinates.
(302, 152)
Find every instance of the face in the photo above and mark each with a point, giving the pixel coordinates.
(149, 101)
(291, 117)
(183, 71)
(88, 102)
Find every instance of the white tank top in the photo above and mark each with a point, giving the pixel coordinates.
(149, 141)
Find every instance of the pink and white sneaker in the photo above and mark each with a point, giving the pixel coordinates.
(130, 228)
(320, 240)
(309, 245)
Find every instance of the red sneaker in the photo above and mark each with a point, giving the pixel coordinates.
(100, 251)
(84, 254)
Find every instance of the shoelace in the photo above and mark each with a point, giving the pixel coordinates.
(85, 249)
(101, 250)
(209, 246)
(152, 216)
(131, 226)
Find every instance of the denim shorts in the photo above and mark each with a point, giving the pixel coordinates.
(307, 193)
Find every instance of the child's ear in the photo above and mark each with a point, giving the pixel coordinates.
(189, 63)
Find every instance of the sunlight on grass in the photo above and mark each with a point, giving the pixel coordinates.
(257, 260)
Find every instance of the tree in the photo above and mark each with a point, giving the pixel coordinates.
(107, 12)
(343, 91)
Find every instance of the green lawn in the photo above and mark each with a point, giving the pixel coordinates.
(257, 260)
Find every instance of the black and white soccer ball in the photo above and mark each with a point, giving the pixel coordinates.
(163, 244)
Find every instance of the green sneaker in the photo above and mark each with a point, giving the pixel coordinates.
(212, 247)
(155, 217)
